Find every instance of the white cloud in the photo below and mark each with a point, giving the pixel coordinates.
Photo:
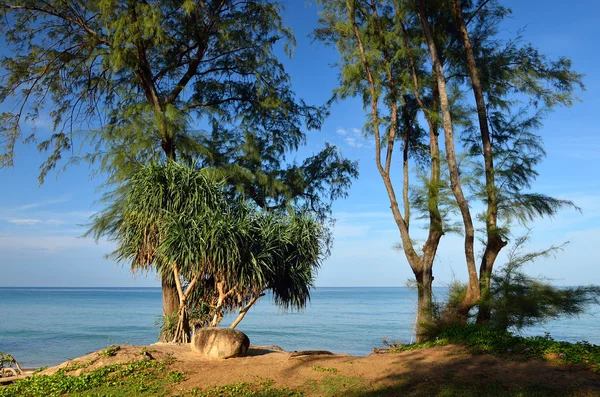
(353, 137)
(52, 244)
(43, 203)
(354, 142)
(31, 221)
(27, 222)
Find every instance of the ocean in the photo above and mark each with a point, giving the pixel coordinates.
(47, 326)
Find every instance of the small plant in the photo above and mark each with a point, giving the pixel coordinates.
(110, 351)
(77, 365)
(40, 369)
(324, 369)
(175, 376)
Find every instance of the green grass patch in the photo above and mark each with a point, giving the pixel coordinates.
(460, 389)
(324, 369)
(110, 351)
(141, 378)
(245, 389)
(337, 385)
(485, 340)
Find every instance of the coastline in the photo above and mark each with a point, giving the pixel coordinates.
(451, 369)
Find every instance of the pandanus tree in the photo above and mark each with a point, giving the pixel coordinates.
(222, 253)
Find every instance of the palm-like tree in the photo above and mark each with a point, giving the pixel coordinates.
(223, 253)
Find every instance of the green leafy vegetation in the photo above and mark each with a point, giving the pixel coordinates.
(110, 351)
(337, 385)
(135, 83)
(484, 339)
(414, 64)
(246, 389)
(140, 378)
(324, 369)
(184, 224)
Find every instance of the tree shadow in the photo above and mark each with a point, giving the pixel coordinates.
(480, 375)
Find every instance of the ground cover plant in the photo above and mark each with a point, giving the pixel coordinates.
(141, 378)
(488, 340)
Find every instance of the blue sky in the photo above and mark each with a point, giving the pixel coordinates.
(40, 225)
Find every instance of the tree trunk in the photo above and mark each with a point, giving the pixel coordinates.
(170, 302)
(485, 277)
(494, 241)
(424, 303)
(473, 292)
(169, 288)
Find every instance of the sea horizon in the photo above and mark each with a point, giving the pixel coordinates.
(49, 325)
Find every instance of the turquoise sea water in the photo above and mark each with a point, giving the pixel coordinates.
(46, 326)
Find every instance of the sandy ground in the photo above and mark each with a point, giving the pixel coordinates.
(437, 365)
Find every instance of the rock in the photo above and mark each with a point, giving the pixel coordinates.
(220, 342)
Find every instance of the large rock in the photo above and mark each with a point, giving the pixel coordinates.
(220, 342)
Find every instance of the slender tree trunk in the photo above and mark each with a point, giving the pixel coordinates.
(424, 302)
(169, 288)
(244, 310)
(473, 293)
(485, 276)
(494, 240)
(146, 79)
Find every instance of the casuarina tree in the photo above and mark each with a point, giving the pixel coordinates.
(127, 83)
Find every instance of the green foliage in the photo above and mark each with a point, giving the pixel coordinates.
(246, 389)
(337, 385)
(488, 340)
(133, 379)
(180, 221)
(384, 58)
(324, 369)
(131, 82)
(175, 376)
(518, 300)
(110, 351)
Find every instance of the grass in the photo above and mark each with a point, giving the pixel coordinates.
(245, 389)
(336, 385)
(324, 369)
(141, 378)
(110, 351)
(514, 347)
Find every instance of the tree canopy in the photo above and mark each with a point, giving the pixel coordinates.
(223, 254)
(141, 81)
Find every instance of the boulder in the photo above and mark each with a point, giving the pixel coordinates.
(220, 342)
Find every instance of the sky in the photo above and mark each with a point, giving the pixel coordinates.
(41, 226)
